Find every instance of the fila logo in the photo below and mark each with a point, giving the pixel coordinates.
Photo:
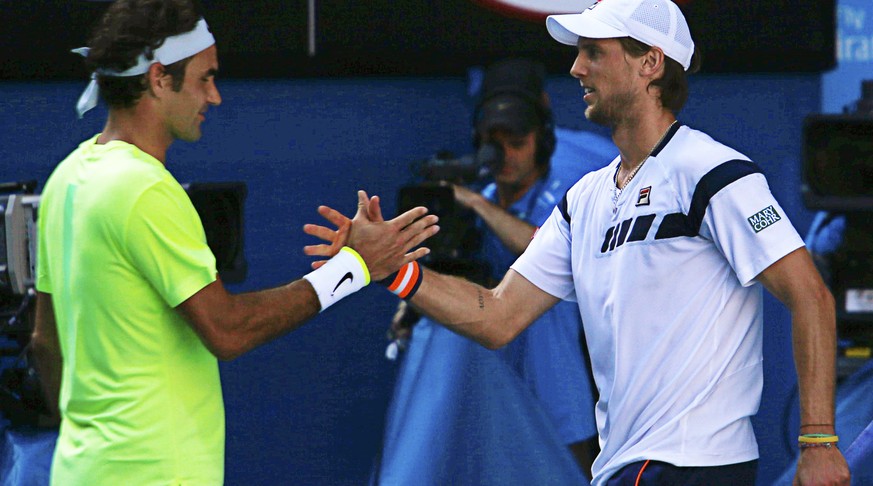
(643, 198)
(764, 218)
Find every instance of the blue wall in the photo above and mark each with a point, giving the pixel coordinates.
(308, 408)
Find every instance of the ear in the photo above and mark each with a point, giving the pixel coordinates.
(158, 79)
(652, 62)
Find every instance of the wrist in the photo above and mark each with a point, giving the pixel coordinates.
(405, 282)
(817, 428)
(813, 438)
(817, 441)
(342, 275)
(818, 447)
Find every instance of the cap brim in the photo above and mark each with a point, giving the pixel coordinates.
(505, 122)
(567, 28)
(507, 112)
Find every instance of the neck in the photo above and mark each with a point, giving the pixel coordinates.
(137, 128)
(508, 194)
(636, 139)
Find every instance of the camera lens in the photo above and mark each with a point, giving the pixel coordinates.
(491, 156)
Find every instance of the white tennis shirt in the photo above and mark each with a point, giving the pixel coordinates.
(664, 280)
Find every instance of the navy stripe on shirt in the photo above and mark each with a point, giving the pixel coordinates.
(678, 224)
(563, 207)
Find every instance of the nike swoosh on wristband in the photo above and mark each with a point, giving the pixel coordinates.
(348, 276)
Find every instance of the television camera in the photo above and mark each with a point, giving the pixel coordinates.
(453, 247)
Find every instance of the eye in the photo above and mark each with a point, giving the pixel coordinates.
(591, 51)
(517, 143)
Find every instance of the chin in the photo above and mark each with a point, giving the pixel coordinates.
(505, 179)
(190, 137)
(597, 117)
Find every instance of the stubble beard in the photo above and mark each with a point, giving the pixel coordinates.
(610, 112)
(192, 134)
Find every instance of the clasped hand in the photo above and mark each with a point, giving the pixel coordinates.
(384, 245)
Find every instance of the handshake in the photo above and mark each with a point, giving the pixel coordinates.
(366, 248)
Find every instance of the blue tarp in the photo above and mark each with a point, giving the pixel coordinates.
(25, 455)
(854, 414)
(464, 417)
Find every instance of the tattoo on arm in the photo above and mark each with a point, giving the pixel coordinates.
(481, 300)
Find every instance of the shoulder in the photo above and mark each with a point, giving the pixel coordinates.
(693, 154)
(134, 172)
(114, 177)
(582, 193)
(594, 179)
(66, 167)
(695, 163)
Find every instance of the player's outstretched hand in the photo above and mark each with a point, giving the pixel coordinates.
(336, 239)
(384, 245)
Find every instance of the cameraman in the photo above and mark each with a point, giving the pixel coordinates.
(465, 414)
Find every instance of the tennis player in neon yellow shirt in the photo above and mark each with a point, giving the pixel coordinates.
(131, 316)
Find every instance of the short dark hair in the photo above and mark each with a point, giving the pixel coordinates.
(130, 28)
(674, 83)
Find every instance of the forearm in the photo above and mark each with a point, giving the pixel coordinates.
(231, 325)
(48, 365)
(515, 233)
(46, 352)
(814, 342)
(460, 305)
(814, 337)
(492, 317)
(265, 315)
(794, 280)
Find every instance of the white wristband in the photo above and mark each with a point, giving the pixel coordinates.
(344, 274)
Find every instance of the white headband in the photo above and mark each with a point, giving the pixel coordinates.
(173, 49)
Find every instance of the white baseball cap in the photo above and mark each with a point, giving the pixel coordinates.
(658, 23)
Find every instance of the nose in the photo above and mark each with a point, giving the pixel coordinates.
(214, 97)
(577, 70)
(509, 151)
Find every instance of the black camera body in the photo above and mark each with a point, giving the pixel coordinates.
(837, 172)
(453, 248)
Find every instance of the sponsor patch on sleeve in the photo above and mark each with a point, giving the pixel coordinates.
(764, 218)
